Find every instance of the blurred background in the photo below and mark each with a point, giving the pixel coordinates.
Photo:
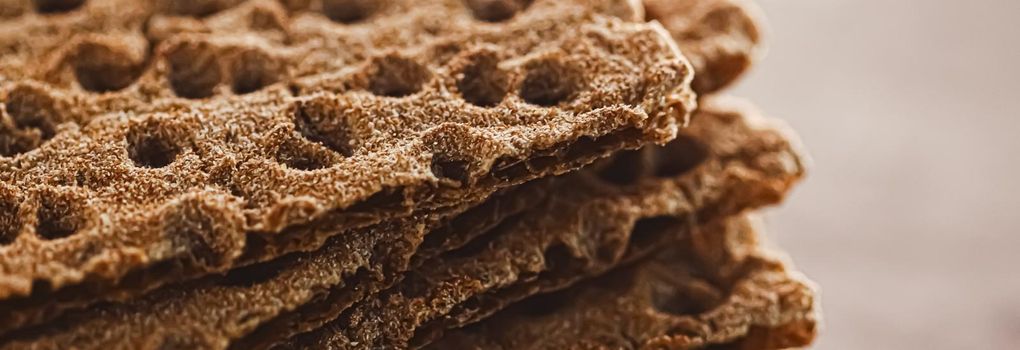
(908, 220)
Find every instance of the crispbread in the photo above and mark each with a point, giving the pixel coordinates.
(742, 163)
(724, 163)
(715, 289)
(266, 301)
(722, 38)
(237, 139)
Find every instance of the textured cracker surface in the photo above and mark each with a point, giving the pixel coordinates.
(716, 287)
(267, 302)
(142, 145)
(728, 160)
(722, 38)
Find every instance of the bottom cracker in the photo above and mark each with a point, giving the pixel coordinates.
(716, 288)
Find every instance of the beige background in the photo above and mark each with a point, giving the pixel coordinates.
(909, 218)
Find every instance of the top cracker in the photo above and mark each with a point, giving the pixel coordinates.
(154, 137)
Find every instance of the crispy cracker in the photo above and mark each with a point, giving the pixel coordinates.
(716, 288)
(231, 148)
(748, 166)
(725, 163)
(722, 38)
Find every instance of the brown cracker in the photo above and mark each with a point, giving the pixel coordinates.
(746, 164)
(230, 146)
(716, 289)
(726, 162)
(722, 38)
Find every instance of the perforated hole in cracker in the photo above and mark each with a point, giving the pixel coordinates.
(320, 120)
(253, 70)
(33, 109)
(350, 11)
(194, 69)
(456, 170)
(58, 215)
(496, 10)
(100, 68)
(396, 76)
(57, 6)
(303, 156)
(150, 147)
(481, 81)
(197, 8)
(550, 81)
(31, 118)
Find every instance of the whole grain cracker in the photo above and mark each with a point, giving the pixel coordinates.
(227, 145)
(717, 288)
(731, 162)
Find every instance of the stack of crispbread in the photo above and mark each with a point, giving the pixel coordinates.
(388, 174)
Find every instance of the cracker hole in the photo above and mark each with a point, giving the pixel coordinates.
(34, 115)
(194, 70)
(10, 222)
(57, 6)
(148, 148)
(33, 109)
(198, 8)
(58, 217)
(482, 82)
(557, 257)
(496, 10)
(100, 68)
(323, 124)
(349, 11)
(396, 76)
(679, 156)
(451, 169)
(13, 143)
(549, 82)
(302, 157)
(253, 70)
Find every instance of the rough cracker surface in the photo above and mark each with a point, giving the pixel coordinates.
(716, 288)
(727, 161)
(722, 38)
(148, 141)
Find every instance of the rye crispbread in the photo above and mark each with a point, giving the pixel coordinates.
(727, 161)
(722, 38)
(141, 147)
(715, 289)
